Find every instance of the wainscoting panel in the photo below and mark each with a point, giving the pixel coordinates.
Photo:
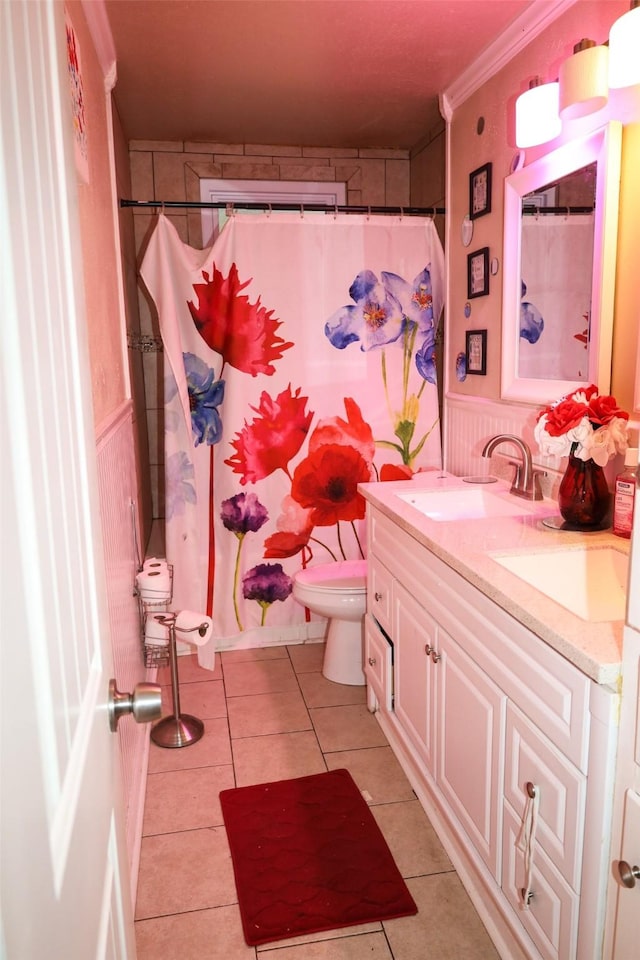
(118, 492)
(471, 421)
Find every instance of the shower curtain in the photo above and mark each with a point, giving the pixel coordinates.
(556, 271)
(299, 361)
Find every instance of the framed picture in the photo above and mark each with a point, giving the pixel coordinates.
(478, 273)
(480, 192)
(476, 352)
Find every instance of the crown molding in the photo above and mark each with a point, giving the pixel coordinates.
(100, 30)
(536, 18)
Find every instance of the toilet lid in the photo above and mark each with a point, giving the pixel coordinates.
(348, 575)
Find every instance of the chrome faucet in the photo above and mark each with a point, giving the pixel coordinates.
(526, 481)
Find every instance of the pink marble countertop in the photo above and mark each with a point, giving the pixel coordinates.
(467, 546)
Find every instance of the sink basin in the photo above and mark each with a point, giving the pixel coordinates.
(470, 503)
(590, 581)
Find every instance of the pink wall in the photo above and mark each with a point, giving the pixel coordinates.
(101, 281)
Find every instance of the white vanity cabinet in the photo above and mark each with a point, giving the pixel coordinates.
(479, 710)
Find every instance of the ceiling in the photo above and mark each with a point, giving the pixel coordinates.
(342, 73)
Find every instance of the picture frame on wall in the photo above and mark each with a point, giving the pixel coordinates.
(480, 191)
(478, 273)
(476, 352)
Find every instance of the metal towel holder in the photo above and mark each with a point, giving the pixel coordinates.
(179, 729)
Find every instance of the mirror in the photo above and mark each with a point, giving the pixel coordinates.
(561, 215)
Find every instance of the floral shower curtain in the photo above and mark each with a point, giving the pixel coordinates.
(299, 361)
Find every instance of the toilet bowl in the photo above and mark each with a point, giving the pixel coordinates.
(338, 591)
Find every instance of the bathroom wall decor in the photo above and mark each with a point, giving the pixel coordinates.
(476, 352)
(478, 273)
(480, 192)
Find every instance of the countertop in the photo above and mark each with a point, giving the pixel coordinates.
(467, 547)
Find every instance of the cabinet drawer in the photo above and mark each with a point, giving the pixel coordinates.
(552, 917)
(379, 592)
(562, 792)
(378, 663)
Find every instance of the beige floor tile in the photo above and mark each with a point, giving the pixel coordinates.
(189, 670)
(446, 926)
(320, 692)
(367, 946)
(199, 935)
(337, 934)
(411, 838)
(212, 749)
(278, 757)
(185, 799)
(202, 700)
(259, 676)
(346, 728)
(267, 713)
(253, 653)
(377, 773)
(307, 657)
(190, 870)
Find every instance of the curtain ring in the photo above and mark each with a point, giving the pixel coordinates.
(401, 212)
(335, 212)
(368, 213)
(229, 210)
(269, 211)
(302, 211)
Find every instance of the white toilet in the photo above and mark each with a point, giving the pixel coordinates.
(338, 591)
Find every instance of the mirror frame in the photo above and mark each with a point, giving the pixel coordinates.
(604, 147)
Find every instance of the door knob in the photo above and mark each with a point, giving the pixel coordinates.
(628, 874)
(145, 703)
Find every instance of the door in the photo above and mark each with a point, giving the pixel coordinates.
(64, 879)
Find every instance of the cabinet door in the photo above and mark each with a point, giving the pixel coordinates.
(414, 635)
(377, 665)
(471, 711)
(379, 591)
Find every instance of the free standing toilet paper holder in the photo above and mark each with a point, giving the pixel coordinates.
(178, 729)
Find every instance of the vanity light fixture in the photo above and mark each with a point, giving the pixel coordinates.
(537, 116)
(624, 43)
(584, 80)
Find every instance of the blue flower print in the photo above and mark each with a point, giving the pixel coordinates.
(531, 320)
(415, 299)
(179, 473)
(426, 359)
(461, 367)
(375, 320)
(205, 396)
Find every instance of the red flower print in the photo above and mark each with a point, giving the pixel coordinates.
(244, 334)
(271, 440)
(294, 528)
(395, 471)
(327, 483)
(602, 410)
(353, 432)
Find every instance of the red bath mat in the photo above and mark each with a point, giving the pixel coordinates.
(308, 856)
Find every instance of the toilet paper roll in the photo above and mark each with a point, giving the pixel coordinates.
(155, 563)
(154, 584)
(192, 627)
(156, 633)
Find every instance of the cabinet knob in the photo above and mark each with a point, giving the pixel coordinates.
(526, 895)
(372, 661)
(377, 597)
(628, 874)
(435, 657)
(427, 648)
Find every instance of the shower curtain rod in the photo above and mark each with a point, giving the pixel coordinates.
(300, 207)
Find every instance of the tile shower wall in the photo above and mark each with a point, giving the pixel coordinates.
(172, 171)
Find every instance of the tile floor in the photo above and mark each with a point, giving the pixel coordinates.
(269, 714)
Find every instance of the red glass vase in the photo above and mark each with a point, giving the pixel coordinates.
(583, 497)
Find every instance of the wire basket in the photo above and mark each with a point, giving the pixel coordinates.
(154, 654)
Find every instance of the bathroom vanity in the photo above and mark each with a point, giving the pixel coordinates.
(499, 701)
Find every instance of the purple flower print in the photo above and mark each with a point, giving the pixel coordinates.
(266, 583)
(426, 358)
(242, 514)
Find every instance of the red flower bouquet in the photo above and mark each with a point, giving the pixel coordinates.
(584, 425)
